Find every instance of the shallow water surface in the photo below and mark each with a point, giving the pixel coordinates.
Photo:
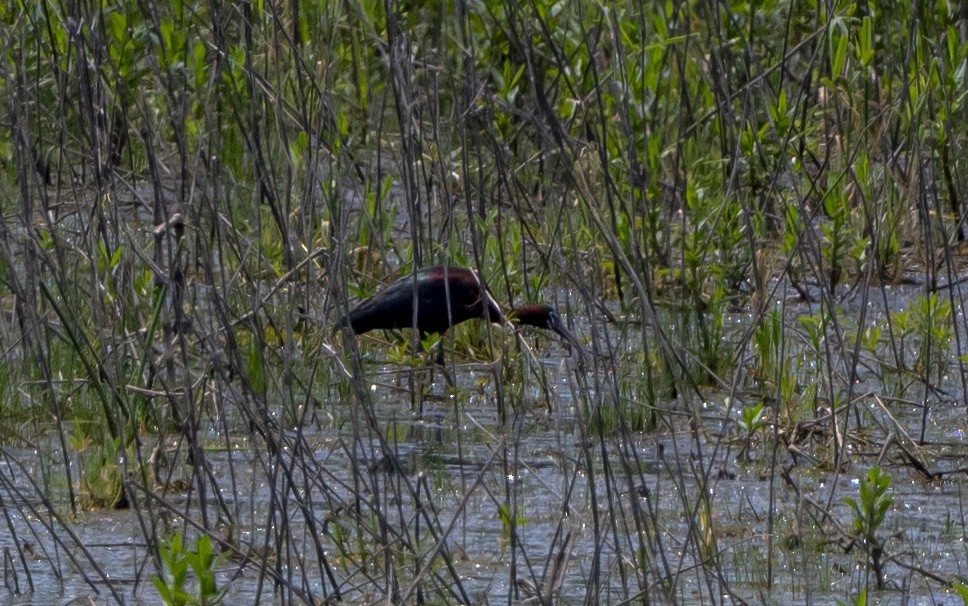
(368, 498)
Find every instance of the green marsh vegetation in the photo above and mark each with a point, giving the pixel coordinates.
(750, 214)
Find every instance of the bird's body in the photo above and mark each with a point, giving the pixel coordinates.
(392, 307)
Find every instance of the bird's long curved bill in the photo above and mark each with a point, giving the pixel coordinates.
(556, 325)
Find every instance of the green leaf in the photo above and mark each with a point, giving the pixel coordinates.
(962, 592)
(839, 56)
(865, 43)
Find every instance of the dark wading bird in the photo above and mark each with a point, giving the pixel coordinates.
(392, 307)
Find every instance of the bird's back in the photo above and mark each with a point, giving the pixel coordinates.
(392, 308)
(386, 310)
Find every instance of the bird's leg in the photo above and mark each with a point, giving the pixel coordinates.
(439, 360)
(447, 377)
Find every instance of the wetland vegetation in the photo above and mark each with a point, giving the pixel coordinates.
(750, 214)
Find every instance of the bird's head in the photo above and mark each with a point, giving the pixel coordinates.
(544, 316)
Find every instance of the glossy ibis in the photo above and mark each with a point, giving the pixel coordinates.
(469, 299)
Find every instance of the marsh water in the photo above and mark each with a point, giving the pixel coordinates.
(446, 476)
